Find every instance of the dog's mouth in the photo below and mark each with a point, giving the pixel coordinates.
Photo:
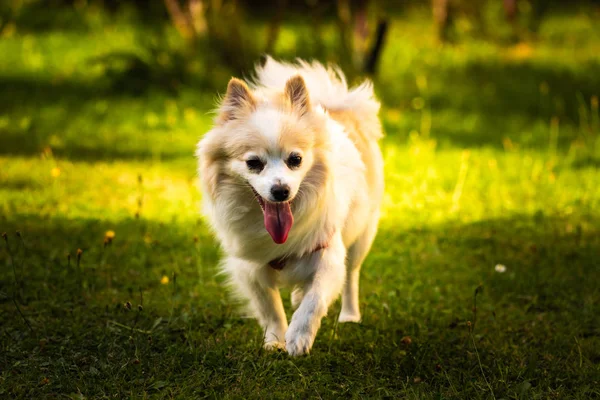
(278, 217)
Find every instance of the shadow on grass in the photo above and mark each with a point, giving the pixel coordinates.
(482, 103)
(79, 115)
(14, 145)
(22, 92)
(20, 184)
(526, 88)
(529, 321)
(588, 162)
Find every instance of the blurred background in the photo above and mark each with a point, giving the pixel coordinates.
(492, 150)
(489, 71)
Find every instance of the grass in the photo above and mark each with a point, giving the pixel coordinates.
(492, 156)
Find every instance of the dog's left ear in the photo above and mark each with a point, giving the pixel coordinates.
(296, 91)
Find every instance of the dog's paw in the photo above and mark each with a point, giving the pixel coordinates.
(274, 346)
(298, 341)
(299, 345)
(349, 317)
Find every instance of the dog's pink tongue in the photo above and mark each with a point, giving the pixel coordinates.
(278, 220)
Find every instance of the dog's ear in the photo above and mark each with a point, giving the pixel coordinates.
(238, 101)
(296, 90)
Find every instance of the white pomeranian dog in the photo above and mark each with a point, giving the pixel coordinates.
(292, 181)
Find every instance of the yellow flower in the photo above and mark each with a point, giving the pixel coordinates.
(164, 280)
(55, 172)
(110, 234)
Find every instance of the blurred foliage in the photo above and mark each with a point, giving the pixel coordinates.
(233, 33)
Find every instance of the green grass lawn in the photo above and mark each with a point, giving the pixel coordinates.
(492, 156)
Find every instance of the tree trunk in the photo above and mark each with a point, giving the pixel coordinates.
(510, 10)
(441, 17)
(182, 21)
(197, 9)
(375, 53)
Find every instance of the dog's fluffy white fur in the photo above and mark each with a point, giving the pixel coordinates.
(297, 127)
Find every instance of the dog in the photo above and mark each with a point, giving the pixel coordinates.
(291, 176)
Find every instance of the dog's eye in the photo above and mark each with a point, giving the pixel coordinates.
(294, 160)
(254, 164)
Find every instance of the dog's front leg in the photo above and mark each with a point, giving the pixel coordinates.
(319, 293)
(258, 285)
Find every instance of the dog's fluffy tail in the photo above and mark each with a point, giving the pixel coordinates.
(327, 86)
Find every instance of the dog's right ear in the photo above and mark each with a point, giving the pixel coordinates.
(238, 101)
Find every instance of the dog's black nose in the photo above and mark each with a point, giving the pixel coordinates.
(280, 192)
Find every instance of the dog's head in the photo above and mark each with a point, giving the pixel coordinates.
(269, 147)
